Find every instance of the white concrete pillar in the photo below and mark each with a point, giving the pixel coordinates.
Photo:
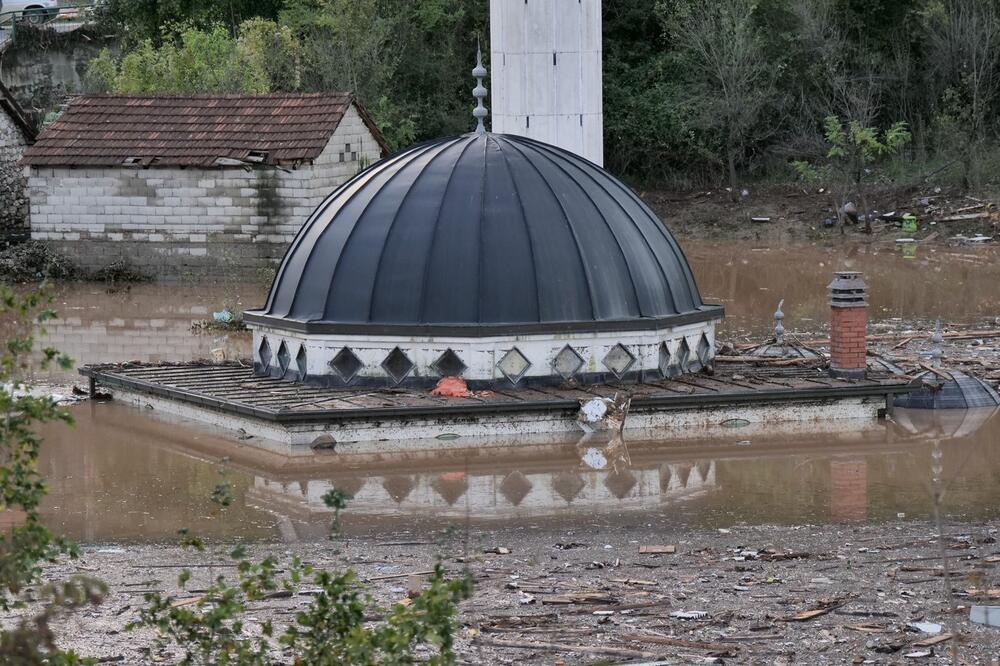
(546, 73)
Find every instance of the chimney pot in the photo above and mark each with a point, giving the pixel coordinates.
(848, 326)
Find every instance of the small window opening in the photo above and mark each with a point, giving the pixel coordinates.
(256, 156)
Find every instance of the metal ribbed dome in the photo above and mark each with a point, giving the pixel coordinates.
(959, 392)
(478, 234)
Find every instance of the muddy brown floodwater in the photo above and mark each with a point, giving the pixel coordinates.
(126, 475)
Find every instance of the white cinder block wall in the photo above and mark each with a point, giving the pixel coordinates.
(227, 221)
(545, 78)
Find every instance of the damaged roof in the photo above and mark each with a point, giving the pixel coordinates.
(16, 114)
(194, 130)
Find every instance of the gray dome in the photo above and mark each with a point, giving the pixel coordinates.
(482, 234)
(959, 392)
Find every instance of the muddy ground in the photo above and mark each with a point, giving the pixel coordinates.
(786, 213)
(750, 595)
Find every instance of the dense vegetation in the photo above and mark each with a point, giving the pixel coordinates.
(695, 91)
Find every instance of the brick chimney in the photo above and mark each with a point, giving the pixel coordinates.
(848, 326)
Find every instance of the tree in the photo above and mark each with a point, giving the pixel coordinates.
(139, 20)
(732, 84)
(262, 57)
(853, 150)
(965, 47)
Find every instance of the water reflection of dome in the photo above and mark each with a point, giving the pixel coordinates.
(506, 493)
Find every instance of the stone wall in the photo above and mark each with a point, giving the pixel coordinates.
(13, 193)
(228, 221)
(42, 67)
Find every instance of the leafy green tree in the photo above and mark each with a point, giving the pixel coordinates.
(964, 40)
(853, 152)
(139, 20)
(645, 131)
(261, 58)
(731, 82)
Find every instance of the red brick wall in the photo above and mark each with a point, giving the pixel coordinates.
(848, 338)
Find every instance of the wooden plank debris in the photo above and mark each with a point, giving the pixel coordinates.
(563, 647)
(658, 549)
(933, 640)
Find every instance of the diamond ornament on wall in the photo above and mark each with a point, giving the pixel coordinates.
(665, 362)
(397, 365)
(264, 352)
(513, 365)
(346, 364)
(683, 355)
(703, 352)
(300, 361)
(284, 358)
(449, 364)
(619, 360)
(567, 363)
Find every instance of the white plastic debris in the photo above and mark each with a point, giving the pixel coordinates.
(689, 615)
(594, 410)
(925, 627)
(988, 615)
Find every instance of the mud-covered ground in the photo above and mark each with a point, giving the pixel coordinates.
(800, 213)
(752, 595)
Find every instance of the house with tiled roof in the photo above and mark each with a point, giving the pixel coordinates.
(16, 133)
(209, 184)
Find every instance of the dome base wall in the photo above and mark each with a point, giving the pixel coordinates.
(484, 362)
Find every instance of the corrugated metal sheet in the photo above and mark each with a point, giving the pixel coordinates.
(193, 130)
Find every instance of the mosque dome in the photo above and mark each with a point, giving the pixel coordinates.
(950, 390)
(479, 235)
(492, 257)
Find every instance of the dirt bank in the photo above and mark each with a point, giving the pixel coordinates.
(753, 595)
(784, 213)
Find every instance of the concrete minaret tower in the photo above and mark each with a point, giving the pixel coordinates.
(546, 80)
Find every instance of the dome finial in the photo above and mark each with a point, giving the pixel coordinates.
(779, 328)
(479, 92)
(936, 340)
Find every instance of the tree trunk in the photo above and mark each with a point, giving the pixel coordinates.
(731, 158)
(864, 208)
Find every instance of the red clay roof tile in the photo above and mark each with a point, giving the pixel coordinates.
(192, 130)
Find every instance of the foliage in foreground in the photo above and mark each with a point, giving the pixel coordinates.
(25, 543)
(341, 624)
(336, 628)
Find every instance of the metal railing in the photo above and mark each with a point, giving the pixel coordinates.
(67, 17)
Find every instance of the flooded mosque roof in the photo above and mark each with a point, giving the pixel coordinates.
(483, 230)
